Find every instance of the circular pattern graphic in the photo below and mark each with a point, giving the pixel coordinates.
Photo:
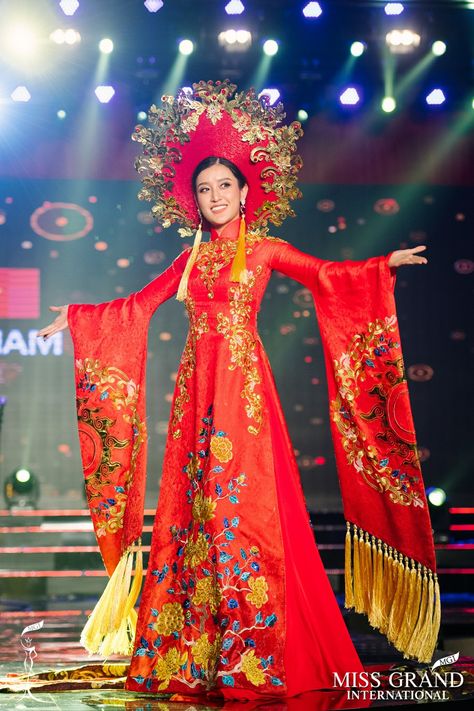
(387, 206)
(91, 448)
(398, 415)
(325, 205)
(464, 266)
(61, 221)
(303, 298)
(420, 373)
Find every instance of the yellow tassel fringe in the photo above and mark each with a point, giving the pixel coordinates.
(400, 596)
(111, 626)
(183, 284)
(238, 270)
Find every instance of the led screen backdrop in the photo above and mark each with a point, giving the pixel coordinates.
(71, 241)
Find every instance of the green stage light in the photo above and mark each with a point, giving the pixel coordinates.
(106, 45)
(436, 496)
(388, 104)
(61, 114)
(438, 48)
(302, 115)
(21, 489)
(357, 49)
(186, 47)
(270, 47)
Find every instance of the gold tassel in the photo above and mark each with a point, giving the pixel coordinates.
(409, 616)
(396, 609)
(349, 592)
(183, 284)
(413, 647)
(238, 270)
(435, 623)
(110, 628)
(358, 596)
(376, 611)
(427, 629)
(368, 567)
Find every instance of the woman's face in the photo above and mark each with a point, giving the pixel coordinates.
(218, 195)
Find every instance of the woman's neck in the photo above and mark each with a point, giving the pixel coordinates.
(230, 231)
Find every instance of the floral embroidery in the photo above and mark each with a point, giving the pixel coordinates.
(106, 482)
(213, 256)
(375, 356)
(208, 621)
(258, 596)
(170, 619)
(221, 448)
(242, 344)
(197, 326)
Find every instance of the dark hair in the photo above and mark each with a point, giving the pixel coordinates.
(213, 160)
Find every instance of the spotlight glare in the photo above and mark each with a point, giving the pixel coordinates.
(272, 95)
(21, 40)
(71, 37)
(106, 45)
(243, 36)
(312, 9)
(394, 8)
(141, 116)
(349, 97)
(57, 36)
(22, 475)
(69, 7)
(436, 496)
(357, 49)
(186, 47)
(61, 114)
(438, 48)
(234, 7)
(270, 47)
(388, 104)
(230, 36)
(436, 97)
(402, 41)
(21, 93)
(153, 5)
(303, 115)
(104, 93)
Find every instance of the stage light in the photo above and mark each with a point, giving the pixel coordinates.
(234, 7)
(106, 45)
(270, 47)
(21, 40)
(71, 37)
(69, 7)
(438, 48)
(141, 116)
(61, 114)
(357, 49)
(394, 8)
(272, 94)
(153, 5)
(349, 97)
(57, 36)
(104, 93)
(21, 93)
(436, 496)
(402, 41)
(312, 9)
(302, 115)
(436, 97)
(243, 36)
(186, 47)
(472, 102)
(388, 104)
(21, 489)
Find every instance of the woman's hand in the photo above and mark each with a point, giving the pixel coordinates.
(59, 323)
(407, 256)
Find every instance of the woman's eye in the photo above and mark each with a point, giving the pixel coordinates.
(201, 190)
(225, 185)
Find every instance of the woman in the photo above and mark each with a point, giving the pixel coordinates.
(236, 602)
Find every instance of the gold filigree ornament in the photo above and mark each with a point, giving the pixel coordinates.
(375, 356)
(216, 120)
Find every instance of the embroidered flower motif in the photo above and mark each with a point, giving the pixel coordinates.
(208, 592)
(192, 467)
(195, 552)
(170, 619)
(259, 587)
(221, 447)
(252, 669)
(203, 508)
(205, 653)
(169, 665)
